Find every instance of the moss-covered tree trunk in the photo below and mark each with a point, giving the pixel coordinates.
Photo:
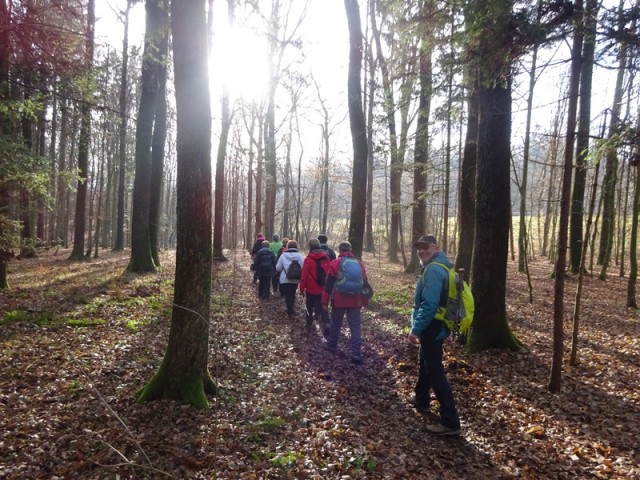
(183, 374)
(493, 195)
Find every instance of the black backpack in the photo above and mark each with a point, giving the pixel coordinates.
(265, 266)
(294, 272)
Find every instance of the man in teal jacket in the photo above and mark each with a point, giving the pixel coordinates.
(429, 333)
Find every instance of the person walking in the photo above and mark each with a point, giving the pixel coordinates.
(275, 247)
(322, 238)
(430, 333)
(290, 274)
(283, 249)
(343, 288)
(265, 267)
(256, 246)
(314, 274)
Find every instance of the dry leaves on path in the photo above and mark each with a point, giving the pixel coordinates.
(78, 340)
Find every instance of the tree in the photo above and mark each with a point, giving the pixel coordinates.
(358, 129)
(611, 161)
(421, 149)
(152, 80)
(218, 219)
(183, 374)
(491, 33)
(122, 132)
(576, 217)
(83, 147)
(555, 377)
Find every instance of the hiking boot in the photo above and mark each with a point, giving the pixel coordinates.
(326, 330)
(440, 430)
(422, 408)
(329, 348)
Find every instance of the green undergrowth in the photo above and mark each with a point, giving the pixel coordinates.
(393, 302)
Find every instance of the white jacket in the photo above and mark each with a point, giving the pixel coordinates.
(285, 260)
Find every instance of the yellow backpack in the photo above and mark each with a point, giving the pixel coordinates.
(457, 311)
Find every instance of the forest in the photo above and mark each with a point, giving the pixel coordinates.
(145, 144)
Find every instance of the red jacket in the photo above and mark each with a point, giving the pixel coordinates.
(309, 279)
(338, 299)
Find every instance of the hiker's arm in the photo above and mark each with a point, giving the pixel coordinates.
(429, 301)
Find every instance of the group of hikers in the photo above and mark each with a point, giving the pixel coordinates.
(324, 279)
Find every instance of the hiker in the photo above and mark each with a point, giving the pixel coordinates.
(275, 247)
(289, 267)
(430, 333)
(283, 249)
(264, 264)
(314, 274)
(322, 238)
(343, 287)
(256, 246)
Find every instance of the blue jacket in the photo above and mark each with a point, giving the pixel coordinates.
(427, 297)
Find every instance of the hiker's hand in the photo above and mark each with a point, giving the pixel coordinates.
(413, 340)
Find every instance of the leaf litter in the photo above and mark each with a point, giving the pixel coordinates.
(288, 408)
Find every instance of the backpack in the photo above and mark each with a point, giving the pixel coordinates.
(294, 272)
(322, 265)
(350, 279)
(265, 265)
(456, 310)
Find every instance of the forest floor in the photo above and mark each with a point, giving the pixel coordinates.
(77, 340)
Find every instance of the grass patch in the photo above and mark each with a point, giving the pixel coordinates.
(134, 325)
(286, 460)
(15, 316)
(84, 322)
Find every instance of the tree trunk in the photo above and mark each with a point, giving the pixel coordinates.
(555, 378)
(157, 166)
(582, 141)
(421, 148)
(611, 166)
(489, 264)
(83, 148)
(152, 67)
(522, 232)
(633, 244)
(122, 130)
(218, 223)
(395, 172)
(358, 129)
(183, 374)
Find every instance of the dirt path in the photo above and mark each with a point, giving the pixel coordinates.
(288, 408)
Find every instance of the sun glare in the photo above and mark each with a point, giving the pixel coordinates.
(238, 61)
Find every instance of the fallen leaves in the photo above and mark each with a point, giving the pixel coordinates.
(288, 408)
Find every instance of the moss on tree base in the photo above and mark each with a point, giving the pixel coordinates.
(191, 390)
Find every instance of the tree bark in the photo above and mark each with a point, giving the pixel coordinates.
(555, 377)
(422, 140)
(183, 374)
(582, 142)
(83, 148)
(358, 129)
(151, 80)
(489, 263)
(122, 133)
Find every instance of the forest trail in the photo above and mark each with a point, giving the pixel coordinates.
(78, 340)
